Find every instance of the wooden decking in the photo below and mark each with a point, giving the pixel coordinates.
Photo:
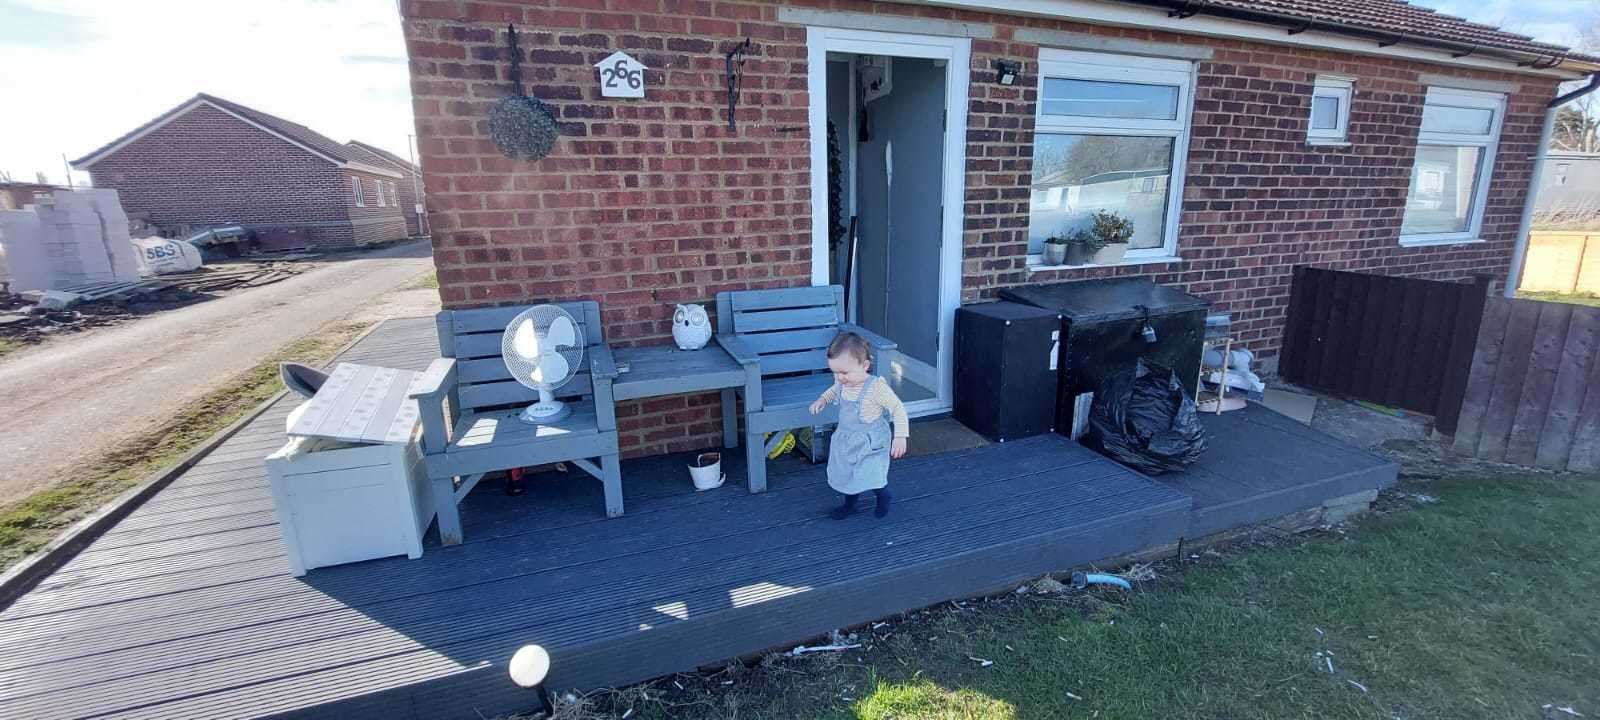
(186, 608)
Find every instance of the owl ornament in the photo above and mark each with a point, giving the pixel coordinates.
(691, 327)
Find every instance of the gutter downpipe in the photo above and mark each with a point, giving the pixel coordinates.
(1519, 252)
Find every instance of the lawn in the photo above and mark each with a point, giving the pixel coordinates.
(1576, 299)
(1482, 604)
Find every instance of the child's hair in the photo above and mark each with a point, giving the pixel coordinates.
(849, 343)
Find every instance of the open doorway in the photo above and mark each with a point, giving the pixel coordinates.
(889, 186)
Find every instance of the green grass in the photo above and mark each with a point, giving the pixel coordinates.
(9, 346)
(1575, 299)
(31, 523)
(431, 281)
(1483, 605)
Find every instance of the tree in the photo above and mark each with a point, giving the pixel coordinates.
(1577, 127)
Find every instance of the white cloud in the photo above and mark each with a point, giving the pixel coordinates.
(336, 66)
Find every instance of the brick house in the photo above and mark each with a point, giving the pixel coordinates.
(211, 162)
(1242, 137)
(410, 185)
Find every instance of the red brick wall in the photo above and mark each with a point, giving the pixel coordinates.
(209, 168)
(374, 222)
(645, 203)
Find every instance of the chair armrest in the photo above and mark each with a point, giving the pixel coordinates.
(878, 341)
(433, 388)
(438, 379)
(740, 352)
(601, 362)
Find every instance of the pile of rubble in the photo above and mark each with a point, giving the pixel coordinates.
(30, 317)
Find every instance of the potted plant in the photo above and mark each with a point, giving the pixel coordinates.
(1112, 233)
(1055, 250)
(1081, 245)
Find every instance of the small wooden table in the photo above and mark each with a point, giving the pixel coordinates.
(661, 370)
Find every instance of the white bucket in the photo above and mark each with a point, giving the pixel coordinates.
(706, 471)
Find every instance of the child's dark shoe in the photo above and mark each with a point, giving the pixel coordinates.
(841, 512)
(882, 508)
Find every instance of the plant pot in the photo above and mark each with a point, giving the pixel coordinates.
(1077, 254)
(1110, 254)
(706, 471)
(1055, 253)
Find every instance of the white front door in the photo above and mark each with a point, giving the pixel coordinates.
(907, 189)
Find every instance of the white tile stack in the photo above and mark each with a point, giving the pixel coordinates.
(68, 238)
(25, 258)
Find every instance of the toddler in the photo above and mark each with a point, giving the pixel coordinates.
(859, 453)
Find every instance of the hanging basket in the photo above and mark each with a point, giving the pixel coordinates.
(522, 127)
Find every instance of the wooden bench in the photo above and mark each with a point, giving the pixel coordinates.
(785, 333)
(481, 432)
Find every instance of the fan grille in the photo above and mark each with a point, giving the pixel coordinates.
(522, 366)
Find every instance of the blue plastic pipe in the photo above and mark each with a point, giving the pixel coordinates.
(1082, 580)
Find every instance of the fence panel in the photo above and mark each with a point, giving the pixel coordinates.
(1533, 391)
(1402, 342)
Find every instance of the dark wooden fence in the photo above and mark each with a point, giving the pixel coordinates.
(1401, 342)
(1533, 393)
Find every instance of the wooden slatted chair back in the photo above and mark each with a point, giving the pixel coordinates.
(472, 337)
(789, 328)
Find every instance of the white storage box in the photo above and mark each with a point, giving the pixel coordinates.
(340, 502)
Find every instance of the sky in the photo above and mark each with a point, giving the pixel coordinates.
(76, 74)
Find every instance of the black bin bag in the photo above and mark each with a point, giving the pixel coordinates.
(1142, 418)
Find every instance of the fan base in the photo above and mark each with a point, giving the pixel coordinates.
(545, 413)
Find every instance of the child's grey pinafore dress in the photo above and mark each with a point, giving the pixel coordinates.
(858, 454)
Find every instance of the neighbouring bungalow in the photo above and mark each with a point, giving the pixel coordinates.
(211, 162)
(1242, 137)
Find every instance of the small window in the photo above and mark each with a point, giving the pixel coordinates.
(355, 192)
(394, 197)
(1330, 110)
(1450, 177)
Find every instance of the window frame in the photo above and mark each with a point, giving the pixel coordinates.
(1488, 144)
(1341, 88)
(358, 191)
(1105, 67)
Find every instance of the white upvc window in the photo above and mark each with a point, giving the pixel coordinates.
(356, 193)
(383, 196)
(1111, 134)
(1455, 157)
(1329, 123)
(394, 197)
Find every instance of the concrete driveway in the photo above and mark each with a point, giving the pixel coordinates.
(67, 400)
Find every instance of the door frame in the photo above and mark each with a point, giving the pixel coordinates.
(957, 53)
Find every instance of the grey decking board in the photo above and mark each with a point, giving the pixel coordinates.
(511, 612)
(1262, 465)
(575, 552)
(465, 694)
(428, 681)
(404, 569)
(334, 653)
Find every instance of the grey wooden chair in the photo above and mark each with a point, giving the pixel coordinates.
(469, 407)
(786, 333)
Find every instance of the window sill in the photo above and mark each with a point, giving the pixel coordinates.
(1034, 266)
(1435, 243)
(1328, 143)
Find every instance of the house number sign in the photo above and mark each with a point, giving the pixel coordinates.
(621, 76)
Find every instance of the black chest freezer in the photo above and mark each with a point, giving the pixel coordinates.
(1103, 330)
